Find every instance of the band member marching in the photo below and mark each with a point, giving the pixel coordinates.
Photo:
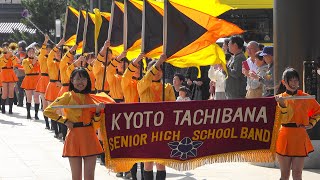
(8, 77)
(54, 85)
(150, 90)
(64, 79)
(44, 78)
(32, 69)
(129, 84)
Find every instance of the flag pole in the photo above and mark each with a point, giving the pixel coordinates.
(143, 30)
(65, 22)
(164, 46)
(108, 39)
(85, 28)
(78, 24)
(125, 26)
(27, 18)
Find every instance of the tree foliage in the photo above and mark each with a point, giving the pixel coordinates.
(43, 14)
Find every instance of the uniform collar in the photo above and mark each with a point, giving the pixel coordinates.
(292, 93)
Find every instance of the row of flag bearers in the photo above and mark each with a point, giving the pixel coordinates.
(48, 77)
(124, 86)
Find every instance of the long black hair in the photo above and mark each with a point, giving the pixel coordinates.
(83, 74)
(288, 74)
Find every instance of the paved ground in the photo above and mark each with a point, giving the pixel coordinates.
(28, 151)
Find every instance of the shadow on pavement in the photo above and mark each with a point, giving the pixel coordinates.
(17, 115)
(10, 123)
(185, 176)
(313, 170)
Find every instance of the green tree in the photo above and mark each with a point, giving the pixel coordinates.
(43, 14)
(77, 4)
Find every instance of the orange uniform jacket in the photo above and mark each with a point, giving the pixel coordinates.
(63, 66)
(53, 65)
(54, 75)
(302, 111)
(98, 68)
(43, 59)
(44, 78)
(114, 80)
(32, 74)
(150, 91)
(293, 139)
(129, 85)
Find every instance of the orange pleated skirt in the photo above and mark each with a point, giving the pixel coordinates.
(8, 76)
(63, 89)
(42, 84)
(81, 142)
(293, 142)
(52, 91)
(30, 82)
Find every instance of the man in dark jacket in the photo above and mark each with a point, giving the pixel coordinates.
(236, 82)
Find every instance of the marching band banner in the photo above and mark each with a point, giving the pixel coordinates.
(186, 135)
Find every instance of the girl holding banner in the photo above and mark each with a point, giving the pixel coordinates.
(81, 141)
(297, 114)
(150, 90)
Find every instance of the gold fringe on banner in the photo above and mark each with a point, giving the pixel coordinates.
(255, 156)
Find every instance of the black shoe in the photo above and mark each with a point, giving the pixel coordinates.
(120, 174)
(128, 175)
(28, 116)
(36, 109)
(10, 105)
(47, 128)
(56, 136)
(20, 105)
(3, 106)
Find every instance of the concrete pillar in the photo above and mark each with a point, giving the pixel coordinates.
(315, 27)
(292, 36)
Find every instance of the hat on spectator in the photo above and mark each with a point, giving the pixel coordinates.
(268, 50)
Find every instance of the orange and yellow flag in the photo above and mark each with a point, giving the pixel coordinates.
(189, 30)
